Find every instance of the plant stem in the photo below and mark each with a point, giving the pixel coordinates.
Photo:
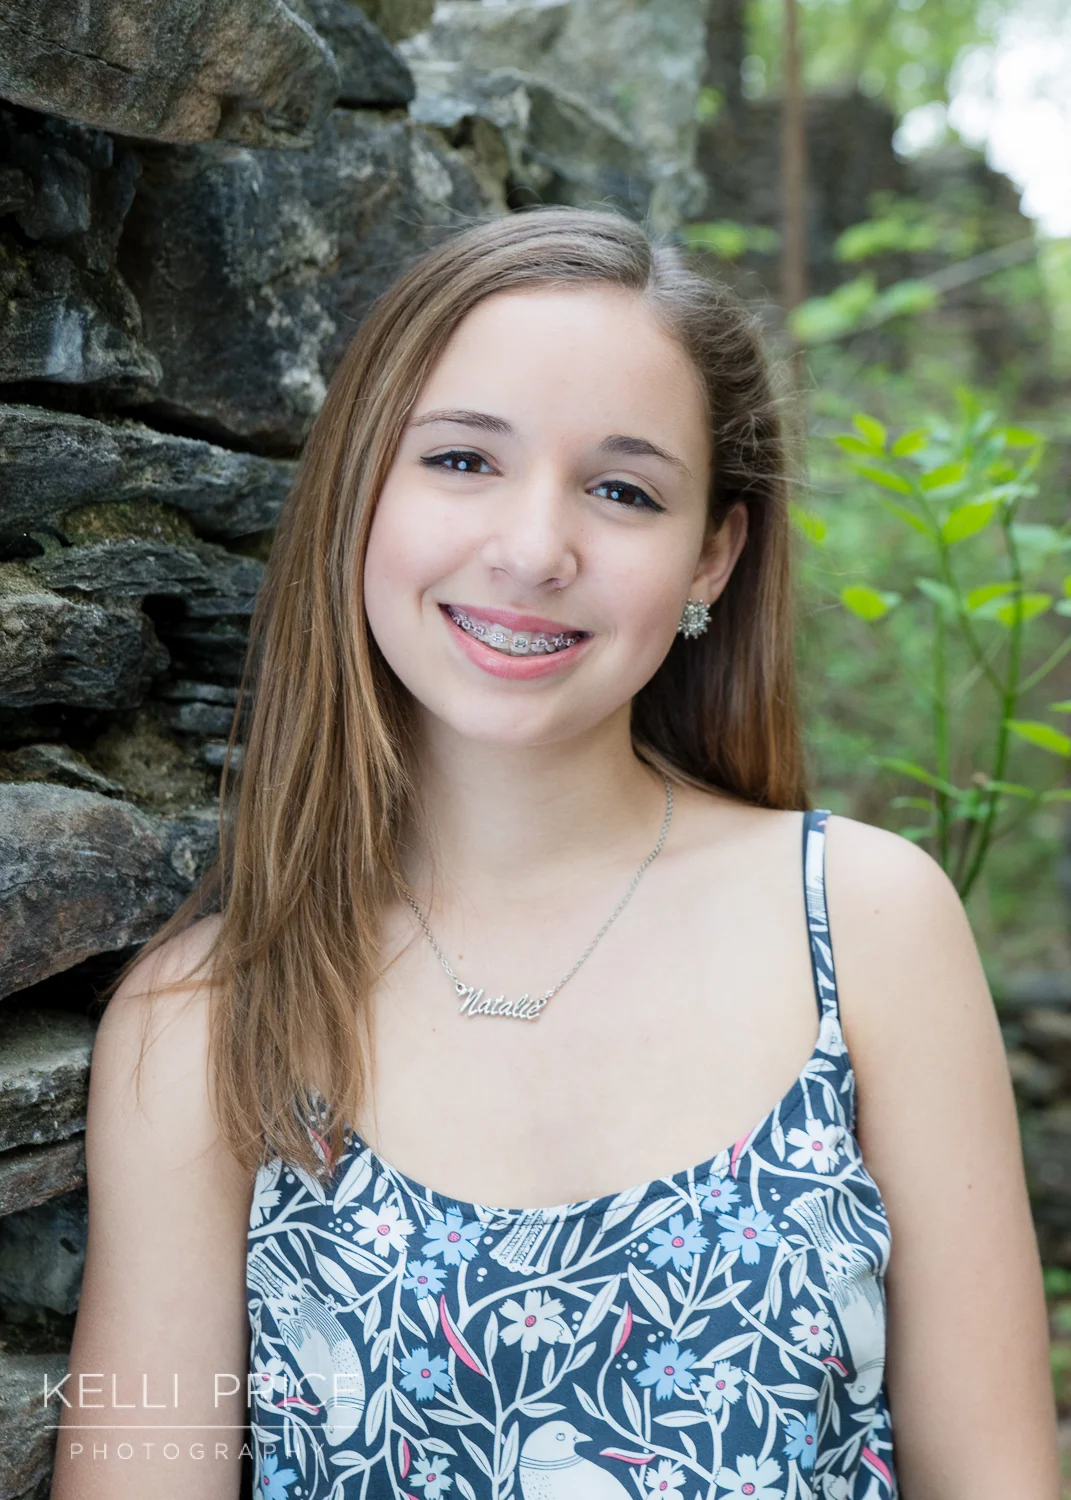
(940, 728)
(1046, 667)
(1009, 698)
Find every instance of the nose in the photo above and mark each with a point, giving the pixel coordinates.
(532, 538)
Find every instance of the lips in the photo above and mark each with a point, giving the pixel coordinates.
(513, 634)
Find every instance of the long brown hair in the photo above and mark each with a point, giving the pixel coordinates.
(309, 821)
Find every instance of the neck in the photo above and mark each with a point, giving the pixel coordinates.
(508, 821)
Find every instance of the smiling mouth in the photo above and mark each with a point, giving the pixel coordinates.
(514, 642)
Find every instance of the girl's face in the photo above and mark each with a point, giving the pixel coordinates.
(545, 518)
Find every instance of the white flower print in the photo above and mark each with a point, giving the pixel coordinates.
(723, 1385)
(751, 1480)
(270, 1378)
(812, 1327)
(665, 1479)
(430, 1475)
(624, 1344)
(818, 1146)
(830, 1037)
(265, 1192)
(383, 1227)
(537, 1319)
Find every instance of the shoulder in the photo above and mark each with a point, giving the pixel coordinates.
(882, 879)
(906, 960)
(150, 1055)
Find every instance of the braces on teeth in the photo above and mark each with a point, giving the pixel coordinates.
(510, 643)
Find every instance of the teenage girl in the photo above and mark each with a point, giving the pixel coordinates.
(537, 1099)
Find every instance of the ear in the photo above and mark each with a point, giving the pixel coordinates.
(719, 555)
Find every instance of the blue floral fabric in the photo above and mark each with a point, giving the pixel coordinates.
(716, 1333)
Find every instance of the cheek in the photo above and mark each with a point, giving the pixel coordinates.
(407, 553)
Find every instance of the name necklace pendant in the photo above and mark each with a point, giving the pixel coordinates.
(475, 1002)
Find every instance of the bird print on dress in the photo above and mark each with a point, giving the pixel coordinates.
(717, 1334)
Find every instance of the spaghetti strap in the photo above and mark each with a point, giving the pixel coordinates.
(814, 886)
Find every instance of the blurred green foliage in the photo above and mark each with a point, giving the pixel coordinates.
(729, 240)
(977, 578)
(901, 50)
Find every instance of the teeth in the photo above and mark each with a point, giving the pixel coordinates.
(509, 642)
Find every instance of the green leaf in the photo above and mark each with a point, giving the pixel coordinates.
(910, 296)
(729, 240)
(708, 105)
(1058, 794)
(944, 477)
(867, 603)
(1067, 585)
(885, 477)
(883, 236)
(821, 318)
(1019, 437)
(967, 520)
(851, 444)
(871, 430)
(1060, 708)
(920, 804)
(916, 835)
(1026, 607)
(1045, 736)
(810, 525)
(918, 523)
(1038, 537)
(910, 442)
(1010, 789)
(918, 773)
(988, 591)
(944, 597)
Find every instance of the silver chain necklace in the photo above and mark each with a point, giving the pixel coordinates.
(475, 1003)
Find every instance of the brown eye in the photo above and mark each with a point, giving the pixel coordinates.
(628, 495)
(458, 461)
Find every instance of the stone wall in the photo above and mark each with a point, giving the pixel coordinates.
(198, 200)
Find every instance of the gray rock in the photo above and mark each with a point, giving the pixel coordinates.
(62, 324)
(559, 148)
(1047, 1154)
(1047, 1033)
(32, 1175)
(52, 461)
(58, 609)
(93, 652)
(42, 1253)
(44, 1076)
(206, 577)
(199, 718)
(66, 315)
(372, 72)
(58, 764)
(398, 19)
(68, 186)
(182, 691)
(614, 89)
(27, 1422)
(244, 70)
(252, 269)
(93, 873)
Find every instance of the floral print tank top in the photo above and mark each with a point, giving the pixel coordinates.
(716, 1333)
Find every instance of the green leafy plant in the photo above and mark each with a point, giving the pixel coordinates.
(858, 304)
(988, 577)
(729, 240)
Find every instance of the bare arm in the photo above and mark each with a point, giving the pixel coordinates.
(968, 1373)
(162, 1307)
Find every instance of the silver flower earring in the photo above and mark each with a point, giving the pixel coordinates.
(695, 617)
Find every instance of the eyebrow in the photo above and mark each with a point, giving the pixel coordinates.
(618, 442)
